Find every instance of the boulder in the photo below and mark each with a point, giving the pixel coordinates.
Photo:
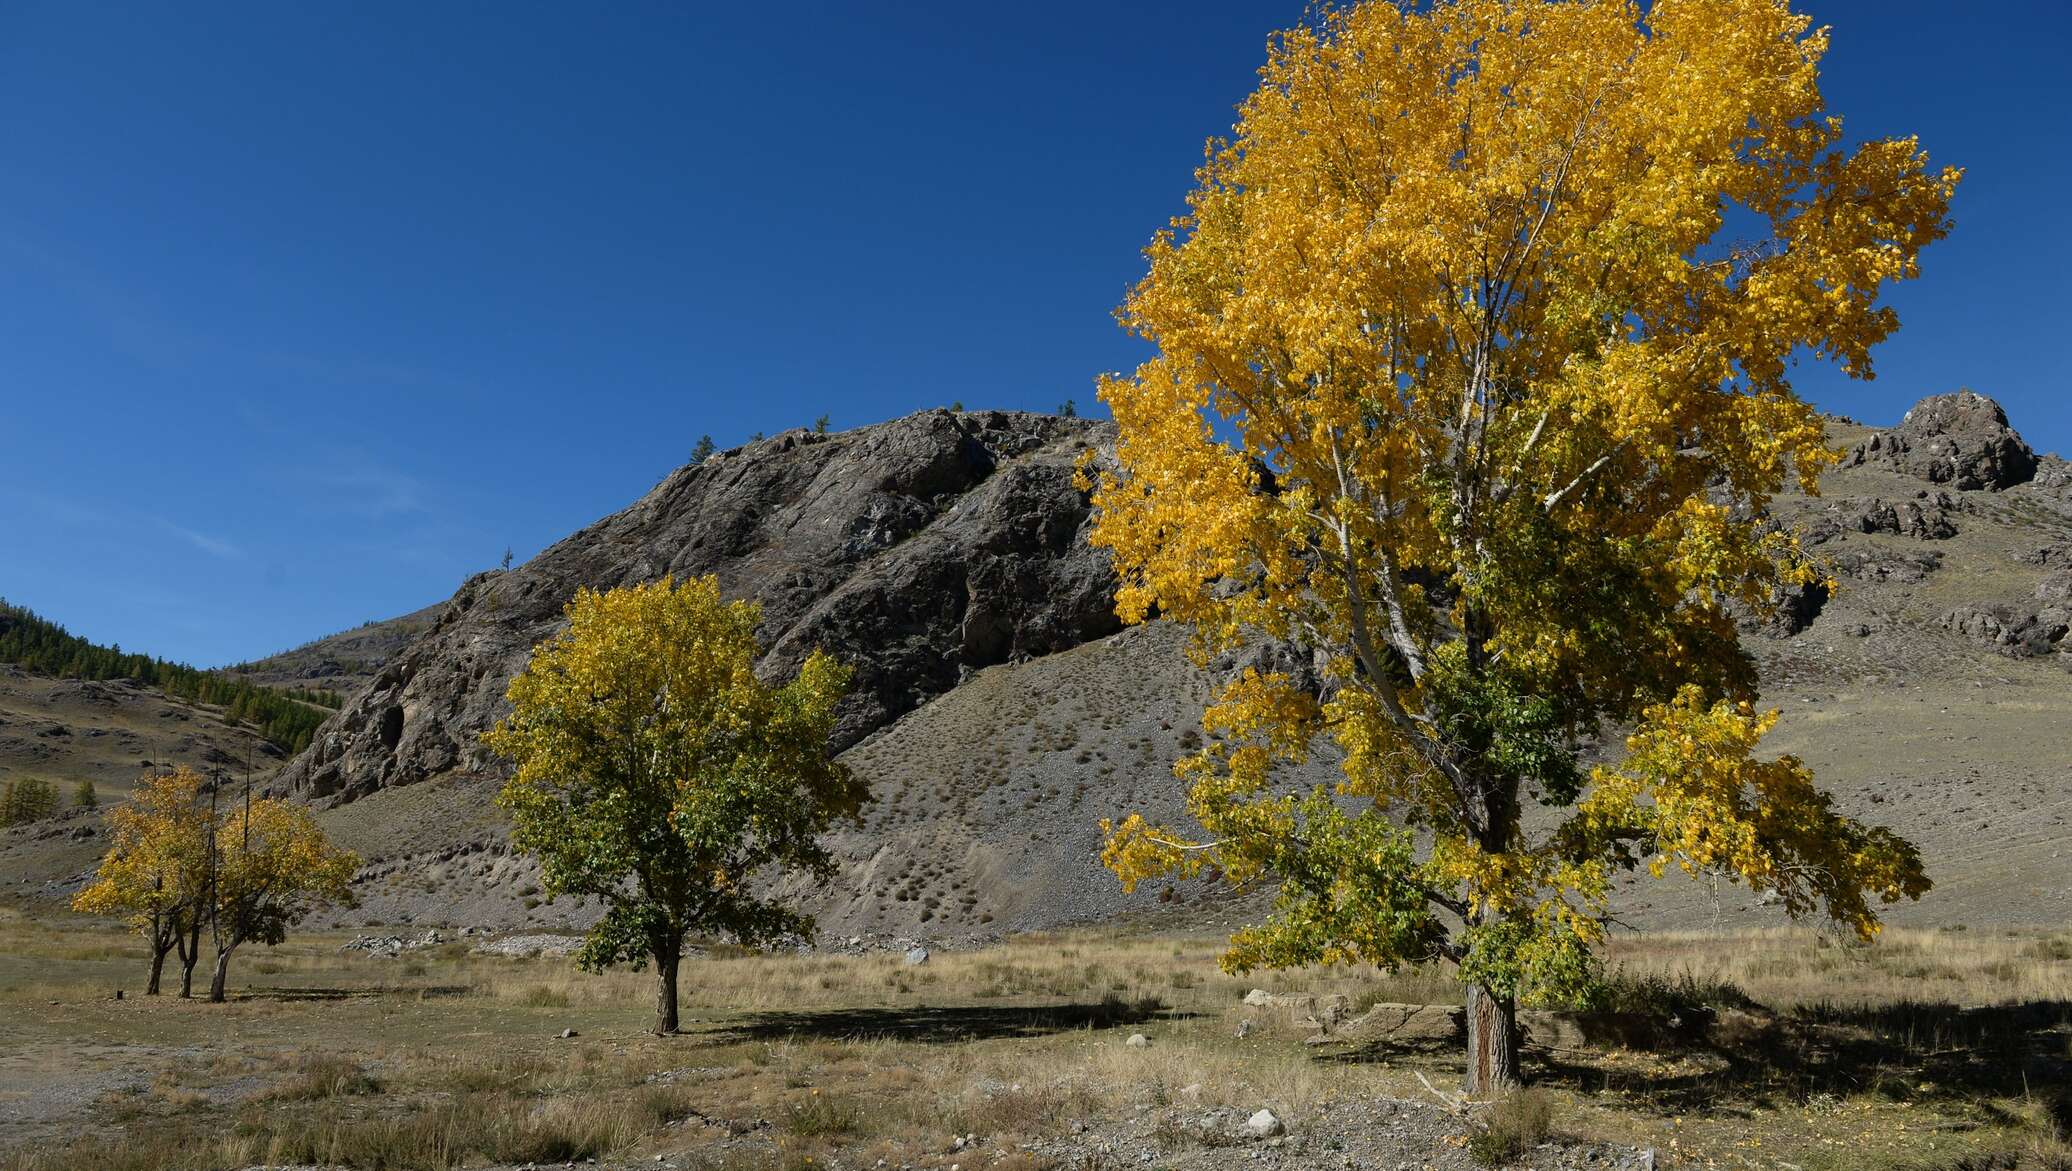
(2056, 589)
(2012, 631)
(1962, 440)
(915, 956)
(1882, 565)
(1265, 1124)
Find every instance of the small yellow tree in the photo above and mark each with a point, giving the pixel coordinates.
(657, 773)
(273, 867)
(156, 874)
(1472, 376)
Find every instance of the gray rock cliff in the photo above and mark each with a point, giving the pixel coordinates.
(918, 551)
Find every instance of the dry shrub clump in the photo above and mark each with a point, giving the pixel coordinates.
(1512, 1126)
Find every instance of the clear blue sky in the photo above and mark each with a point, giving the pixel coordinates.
(308, 310)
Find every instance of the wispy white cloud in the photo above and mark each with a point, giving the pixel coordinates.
(364, 485)
(213, 546)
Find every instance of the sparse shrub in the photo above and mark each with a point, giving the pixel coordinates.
(819, 1115)
(542, 996)
(1512, 1126)
(325, 1076)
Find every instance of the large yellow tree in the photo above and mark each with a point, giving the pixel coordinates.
(1472, 375)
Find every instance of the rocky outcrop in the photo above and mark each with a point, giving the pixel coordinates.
(2020, 631)
(917, 550)
(1962, 440)
(1927, 517)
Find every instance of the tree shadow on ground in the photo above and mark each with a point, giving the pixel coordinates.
(292, 995)
(942, 1024)
(1745, 1061)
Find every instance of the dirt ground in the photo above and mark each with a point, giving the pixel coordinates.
(1774, 1050)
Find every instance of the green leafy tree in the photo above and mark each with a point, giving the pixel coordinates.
(657, 773)
(84, 796)
(820, 425)
(703, 451)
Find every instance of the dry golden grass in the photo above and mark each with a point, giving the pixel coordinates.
(1912, 1052)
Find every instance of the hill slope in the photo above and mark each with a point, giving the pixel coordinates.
(342, 662)
(1000, 713)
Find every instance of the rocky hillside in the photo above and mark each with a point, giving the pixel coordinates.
(342, 662)
(999, 712)
(919, 550)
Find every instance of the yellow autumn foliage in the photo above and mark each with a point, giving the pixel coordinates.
(1472, 376)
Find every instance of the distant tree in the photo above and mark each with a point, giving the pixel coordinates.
(1069, 409)
(273, 866)
(27, 799)
(958, 406)
(820, 425)
(84, 796)
(156, 875)
(1466, 382)
(506, 562)
(756, 438)
(657, 773)
(703, 451)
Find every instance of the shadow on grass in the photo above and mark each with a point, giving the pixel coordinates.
(1910, 1051)
(942, 1024)
(298, 995)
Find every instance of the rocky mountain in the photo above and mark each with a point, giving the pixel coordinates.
(999, 712)
(919, 550)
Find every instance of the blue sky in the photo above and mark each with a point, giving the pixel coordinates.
(309, 310)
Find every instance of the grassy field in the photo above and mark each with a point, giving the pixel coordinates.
(1946, 1050)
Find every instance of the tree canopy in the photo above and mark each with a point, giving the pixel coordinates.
(657, 773)
(156, 874)
(273, 867)
(1472, 377)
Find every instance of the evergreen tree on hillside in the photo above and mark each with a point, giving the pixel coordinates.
(46, 648)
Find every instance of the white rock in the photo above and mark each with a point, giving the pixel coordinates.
(1258, 998)
(1138, 1041)
(916, 956)
(1265, 1124)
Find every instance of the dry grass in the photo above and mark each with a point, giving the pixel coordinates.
(1913, 1050)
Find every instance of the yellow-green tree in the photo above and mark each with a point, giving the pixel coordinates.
(656, 773)
(1471, 375)
(272, 867)
(156, 875)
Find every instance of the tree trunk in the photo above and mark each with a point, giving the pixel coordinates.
(158, 954)
(665, 995)
(1492, 1043)
(222, 974)
(190, 955)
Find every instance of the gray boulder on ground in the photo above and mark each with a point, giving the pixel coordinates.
(1962, 440)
